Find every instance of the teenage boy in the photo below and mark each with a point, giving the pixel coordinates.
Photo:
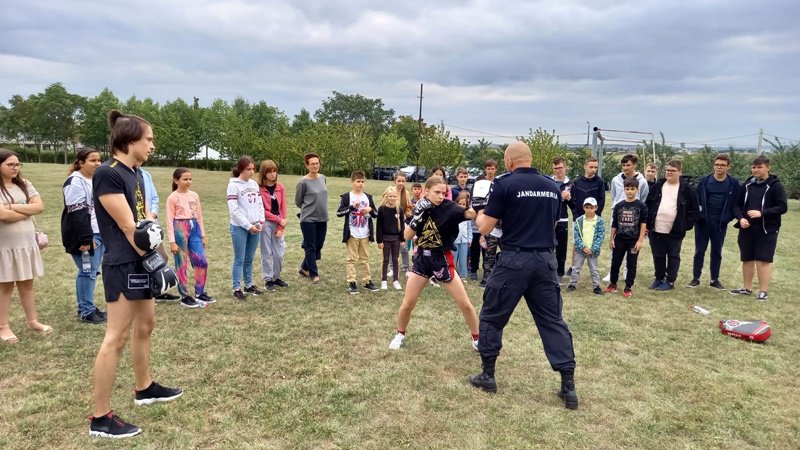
(129, 277)
(461, 178)
(588, 233)
(651, 174)
(759, 205)
(486, 244)
(716, 194)
(358, 210)
(628, 171)
(673, 211)
(628, 226)
(562, 226)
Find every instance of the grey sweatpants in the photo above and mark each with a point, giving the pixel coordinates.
(580, 257)
(272, 251)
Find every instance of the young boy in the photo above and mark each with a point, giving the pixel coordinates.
(628, 225)
(358, 210)
(588, 231)
(416, 193)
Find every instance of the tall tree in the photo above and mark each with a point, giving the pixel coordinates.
(392, 149)
(351, 109)
(544, 147)
(440, 149)
(302, 120)
(409, 129)
(56, 115)
(94, 127)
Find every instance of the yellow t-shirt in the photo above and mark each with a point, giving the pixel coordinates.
(587, 231)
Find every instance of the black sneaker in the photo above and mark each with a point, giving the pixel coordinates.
(280, 283)
(694, 283)
(352, 288)
(762, 296)
(571, 288)
(371, 287)
(482, 284)
(741, 291)
(157, 393)
(93, 318)
(656, 284)
(101, 313)
(239, 295)
(568, 396)
(112, 426)
(167, 298)
(716, 285)
(205, 298)
(598, 290)
(190, 302)
(483, 381)
(252, 290)
(269, 286)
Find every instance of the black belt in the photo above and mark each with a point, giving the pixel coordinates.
(511, 248)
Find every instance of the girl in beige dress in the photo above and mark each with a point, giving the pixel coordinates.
(20, 260)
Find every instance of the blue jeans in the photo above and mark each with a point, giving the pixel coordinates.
(244, 248)
(461, 259)
(85, 281)
(702, 235)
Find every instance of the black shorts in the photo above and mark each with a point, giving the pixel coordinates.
(755, 245)
(129, 279)
(436, 264)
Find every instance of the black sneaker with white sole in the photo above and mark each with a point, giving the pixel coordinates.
(112, 426)
(205, 298)
(370, 286)
(280, 283)
(269, 285)
(716, 285)
(93, 318)
(252, 290)
(190, 302)
(239, 295)
(352, 288)
(167, 298)
(157, 393)
(741, 291)
(694, 283)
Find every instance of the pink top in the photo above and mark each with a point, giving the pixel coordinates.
(183, 206)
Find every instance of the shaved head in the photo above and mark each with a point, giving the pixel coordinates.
(518, 154)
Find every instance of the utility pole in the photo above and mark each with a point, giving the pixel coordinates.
(419, 139)
(588, 132)
(760, 141)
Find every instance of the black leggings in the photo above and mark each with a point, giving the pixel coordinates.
(391, 249)
(475, 253)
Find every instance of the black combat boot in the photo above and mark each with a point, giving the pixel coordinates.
(485, 379)
(567, 393)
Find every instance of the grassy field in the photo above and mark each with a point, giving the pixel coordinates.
(308, 367)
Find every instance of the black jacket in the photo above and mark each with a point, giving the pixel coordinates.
(345, 208)
(688, 209)
(730, 199)
(773, 205)
(583, 188)
(388, 224)
(76, 226)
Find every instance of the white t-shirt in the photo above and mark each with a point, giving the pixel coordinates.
(359, 223)
(668, 209)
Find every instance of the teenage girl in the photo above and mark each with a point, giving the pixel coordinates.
(187, 238)
(247, 221)
(20, 260)
(435, 223)
(438, 171)
(464, 237)
(80, 234)
(390, 226)
(273, 247)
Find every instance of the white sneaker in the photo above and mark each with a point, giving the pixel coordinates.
(397, 286)
(607, 278)
(389, 273)
(397, 342)
(384, 286)
(475, 344)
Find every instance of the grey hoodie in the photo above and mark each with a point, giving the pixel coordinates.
(618, 188)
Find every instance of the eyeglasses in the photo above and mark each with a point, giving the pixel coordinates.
(13, 165)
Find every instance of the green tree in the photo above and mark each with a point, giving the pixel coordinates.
(94, 127)
(56, 113)
(440, 149)
(409, 128)
(392, 149)
(178, 132)
(146, 109)
(785, 162)
(302, 121)
(544, 147)
(351, 109)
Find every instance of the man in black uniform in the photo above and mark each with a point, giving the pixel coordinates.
(529, 205)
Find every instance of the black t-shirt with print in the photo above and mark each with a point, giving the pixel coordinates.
(627, 219)
(440, 228)
(114, 177)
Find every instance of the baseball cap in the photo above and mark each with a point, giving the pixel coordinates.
(590, 201)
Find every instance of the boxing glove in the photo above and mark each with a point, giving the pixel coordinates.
(480, 194)
(162, 277)
(420, 213)
(148, 235)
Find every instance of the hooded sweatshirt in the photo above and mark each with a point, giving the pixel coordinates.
(244, 203)
(618, 188)
(769, 195)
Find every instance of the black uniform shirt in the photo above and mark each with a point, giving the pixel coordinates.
(440, 228)
(529, 204)
(114, 177)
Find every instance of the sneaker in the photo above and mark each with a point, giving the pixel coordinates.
(156, 393)
(352, 288)
(483, 381)
(396, 285)
(252, 290)
(112, 426)
(93, 318)
(434, 283)
(741, 291)
(569, 272)
(397, 341)
(280, 283)
(101, 313)
(694, 283)
(607, 278)
(269, 285)
(716, 285)
(655, 284)
(482, 284)
(205, 298)
(473, 276)
(568, 396)
(370, 286)
(384, 285)
(389, 272)
(762, 296)
(598, 291)
(163, 298)
(627, 293)
(475, 344)
(239, 295)
(665, 286)
(612, 288)
(571, 288)
(190, 302)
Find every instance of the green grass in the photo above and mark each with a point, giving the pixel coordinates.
(308, 367)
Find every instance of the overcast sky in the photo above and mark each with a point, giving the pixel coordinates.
(696, 70)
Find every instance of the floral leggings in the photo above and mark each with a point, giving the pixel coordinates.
(189, 240)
